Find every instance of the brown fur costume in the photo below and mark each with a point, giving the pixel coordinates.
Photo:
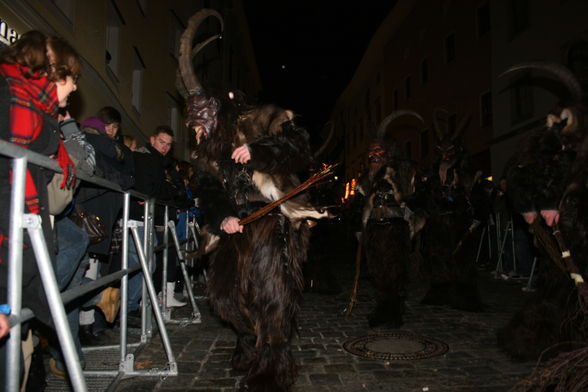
(448, 246)
(255, 279)
(388, 223)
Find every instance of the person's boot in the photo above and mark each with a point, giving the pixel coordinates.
(172, 302)
(109, 303)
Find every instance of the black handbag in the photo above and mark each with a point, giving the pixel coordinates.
(90, 223)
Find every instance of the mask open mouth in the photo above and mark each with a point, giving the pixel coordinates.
(202, 115)
(200, 134)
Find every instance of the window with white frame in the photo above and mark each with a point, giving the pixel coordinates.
(483, 19)
(424, 143)
(174, 123)
(175, 34)
(407, 88)
(452, 124)
(137, 81)
(521, 100)
(486, 109)
(518, 17)
(114, 23)
(424, 71)
(142, 4)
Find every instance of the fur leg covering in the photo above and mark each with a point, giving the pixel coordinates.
(255, 283)
(274, 371)
(388, 255)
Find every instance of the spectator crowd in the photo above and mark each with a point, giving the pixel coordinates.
(38, 73)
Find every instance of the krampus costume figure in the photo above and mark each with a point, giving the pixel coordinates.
(388, 225)
(448, 246)
(248, 156)
(547, 185)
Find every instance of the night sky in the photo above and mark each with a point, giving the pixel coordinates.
(307, 51)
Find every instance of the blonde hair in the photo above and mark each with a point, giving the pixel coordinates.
(128, 141)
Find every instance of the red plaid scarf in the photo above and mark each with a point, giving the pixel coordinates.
(28, 97)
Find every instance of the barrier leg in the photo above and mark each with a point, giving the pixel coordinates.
(529, 286)
(153, 296)
(499, 267)
(482, 236)
(13, 348)
(196, 316)
(33, 225)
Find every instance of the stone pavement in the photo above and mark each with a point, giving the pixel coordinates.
(472, 363)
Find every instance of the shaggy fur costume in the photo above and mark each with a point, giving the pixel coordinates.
(451, 265)
(543, 176)
(388, 223)
(255, 280)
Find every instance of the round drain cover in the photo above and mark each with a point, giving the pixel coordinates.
(395, 347)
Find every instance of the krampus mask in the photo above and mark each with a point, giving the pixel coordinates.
(202, 110)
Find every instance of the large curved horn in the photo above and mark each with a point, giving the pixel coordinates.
(461, 127)
(191, 85)
(179, 80)
(561, 72)
(436, 127)
(393, 116)
(327, 141)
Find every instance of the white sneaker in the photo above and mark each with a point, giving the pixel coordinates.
(172, 302)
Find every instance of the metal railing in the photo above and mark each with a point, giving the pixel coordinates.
(19, 221)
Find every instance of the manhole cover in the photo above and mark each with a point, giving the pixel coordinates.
(396, 347)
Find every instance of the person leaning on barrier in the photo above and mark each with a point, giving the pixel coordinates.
(37, 75)
(72, 241)
(114, 162)
(179, 202)
(150, 178)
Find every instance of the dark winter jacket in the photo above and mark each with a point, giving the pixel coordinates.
(114, 162)
(151, 179)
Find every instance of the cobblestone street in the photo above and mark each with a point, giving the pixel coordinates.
(472, 362)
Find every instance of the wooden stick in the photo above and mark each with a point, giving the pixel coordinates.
(466, 235)
(571, 266)
(546, 241)
(355, 291)
(327, 171)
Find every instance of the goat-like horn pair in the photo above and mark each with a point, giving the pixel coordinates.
(442, 134)
(186, 82)
(561, 73)
(393, 116)
(327, 141)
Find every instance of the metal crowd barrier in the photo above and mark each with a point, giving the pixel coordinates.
(32, 223)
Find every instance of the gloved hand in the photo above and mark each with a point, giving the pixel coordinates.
(68, 167)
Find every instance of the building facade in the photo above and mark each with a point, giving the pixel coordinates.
(449, 55)
(129, 51)
(547, 31)
(426, 55)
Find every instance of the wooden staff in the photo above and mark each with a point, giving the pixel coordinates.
(355, 291)
(466, 235)
(326, 171)
(543, 238)
(570, 265)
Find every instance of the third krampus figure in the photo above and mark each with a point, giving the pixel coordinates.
(547, 185)
(448, 246)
